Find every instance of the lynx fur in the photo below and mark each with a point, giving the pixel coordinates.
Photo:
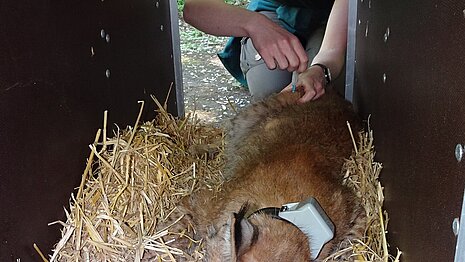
(280, 152)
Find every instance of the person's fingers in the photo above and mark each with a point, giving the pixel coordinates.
(285, 54)
(302, 65)
(282, 62)
(301, 55)
(319, 93)
(269, 60)
(310, 91)
(295, 54)
(318, 86)
(274, 58)
(309, 94)
(289, 52)
(293, 62)
(278, 47)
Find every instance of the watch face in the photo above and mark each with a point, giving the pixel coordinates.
(327, 75)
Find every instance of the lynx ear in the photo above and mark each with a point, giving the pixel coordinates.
(243, 233)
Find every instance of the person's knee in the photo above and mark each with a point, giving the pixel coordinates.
(263, 82)
(187, 12)
(260, 94)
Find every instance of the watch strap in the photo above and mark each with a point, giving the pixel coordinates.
(326, 72)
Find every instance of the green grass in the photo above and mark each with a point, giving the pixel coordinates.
(232, 2)
(180, 5)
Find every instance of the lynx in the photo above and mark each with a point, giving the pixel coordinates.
(280, 152)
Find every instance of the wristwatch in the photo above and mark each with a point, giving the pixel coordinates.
(326, 71)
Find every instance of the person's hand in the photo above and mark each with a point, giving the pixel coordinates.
(311, 84)
(277, 47)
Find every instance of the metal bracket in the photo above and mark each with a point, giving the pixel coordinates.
(350, 59)
(460, 246)
(176, 55)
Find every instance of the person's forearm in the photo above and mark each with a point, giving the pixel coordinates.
(218, 18)
(333, 59)
(276, 46)
(334, 44)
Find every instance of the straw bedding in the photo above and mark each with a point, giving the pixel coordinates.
(125, 206)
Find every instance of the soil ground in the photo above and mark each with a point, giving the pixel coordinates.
(210, 92)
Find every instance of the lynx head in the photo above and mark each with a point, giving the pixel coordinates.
(257, 238)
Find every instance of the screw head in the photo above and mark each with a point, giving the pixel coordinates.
(161, 27)
(384, 78)
(107, 38)
(107, 73)
(386, 34)
(102, 33)
(458, 152)
(456, 226)
(366, 29)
